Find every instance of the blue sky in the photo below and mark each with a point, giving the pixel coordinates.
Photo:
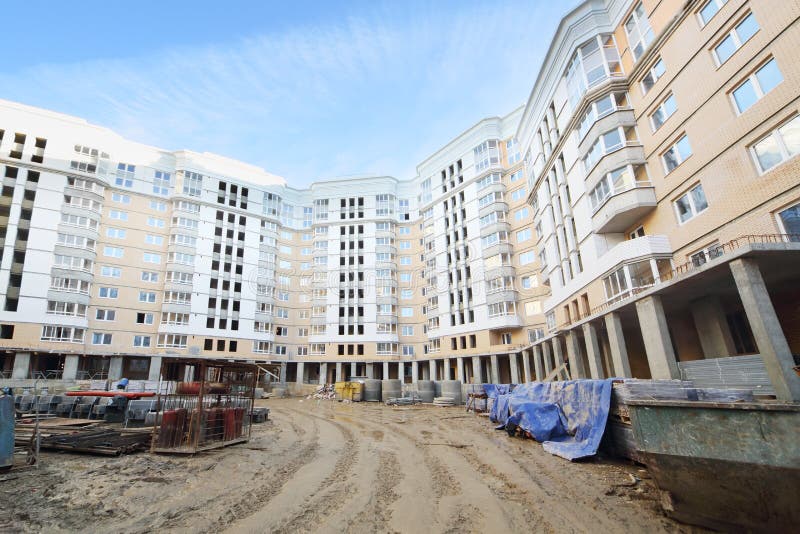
(307, 90)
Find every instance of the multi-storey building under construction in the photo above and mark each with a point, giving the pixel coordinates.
(638, 216)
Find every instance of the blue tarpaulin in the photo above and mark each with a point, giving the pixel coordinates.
(568, 417)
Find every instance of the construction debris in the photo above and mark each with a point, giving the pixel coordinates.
(402, 401)
(325, 392)
(444, 401)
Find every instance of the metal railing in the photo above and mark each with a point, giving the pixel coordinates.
(687, 268)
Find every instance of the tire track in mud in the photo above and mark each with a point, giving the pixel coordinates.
(272, 482)
(329, 495)
(377, 513)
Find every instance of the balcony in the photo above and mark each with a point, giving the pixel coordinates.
(621, 210)
(631, 153)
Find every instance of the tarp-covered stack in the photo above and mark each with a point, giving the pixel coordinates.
(568, 417)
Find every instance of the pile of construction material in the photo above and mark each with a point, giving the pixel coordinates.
(402, 401)
(81, 435)
(444, 401)
(325, 392)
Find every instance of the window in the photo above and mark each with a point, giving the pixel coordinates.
(533, 308)
(527, 257)
(488, 180)
(592, 63)
(108, 292)
(119, 197)
(734, 40)
(691, 204)
(516, 175)
(66, 308)
(524, 235)
(149, 276)
(174, 341)
(653, 74)
(677, 154)
(154, 239)
(146, 318)
(529, 282)
(780, 145)
(63, 334)
(112, 252)
(487, 154)
(152, 258)
(521, 214)
(111, 272)
(405, 260)
(161, 182)
(125, 174)
(790, 221)
(709, 9)
(141, 341)
(155, 222)
(147, 296)
(758, 84)
(664, 111)
(518, 194)
(616, 182)
(406, 294)
(105, 315)
(118, 215)
(99, 338)
(639, 32)
(115, 233)
(407, 330)
(192, 184)
(404, 277)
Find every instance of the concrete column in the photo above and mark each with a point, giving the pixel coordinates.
(432, 367)
(526, 366)
(477, 374)
(70, 367)
(712, 327)
(414, 372)
(115, 368)
(538, 362)
(299, 378)
(154, 373)
(370, 370)
(617, 346)
(323, 374)
(353, 369)
(558, 356)
(513, 365)
(446, 369)
(339, 371)
(766, 329)
(386, 370)
(576, 369)
(495, 370)
(548, 359)
(593, 351)
(460, 370)
(657, 344)
(22, 365)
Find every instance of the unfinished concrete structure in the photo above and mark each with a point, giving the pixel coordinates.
(638, 216)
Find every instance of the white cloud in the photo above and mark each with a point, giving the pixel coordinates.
(374, 93)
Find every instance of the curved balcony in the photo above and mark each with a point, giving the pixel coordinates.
(623, 209)
(631, 154)
(504, 295)
(498, 205)
(498, 248)
(621, 117)
(499, 226)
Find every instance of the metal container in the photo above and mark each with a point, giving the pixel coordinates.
(391, 389)
(425, 390)
(452, 389)
(372, 390)
(6, 432)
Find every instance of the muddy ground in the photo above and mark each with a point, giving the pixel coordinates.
(324, 466)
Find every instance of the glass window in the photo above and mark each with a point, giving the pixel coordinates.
(790, 220)
(758, 84)
(691, 204)
(640, 34)
(656, 71)
(710, 9)
(736, 38)
(777, 147)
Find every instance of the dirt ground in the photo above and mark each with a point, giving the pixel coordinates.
(325, 466)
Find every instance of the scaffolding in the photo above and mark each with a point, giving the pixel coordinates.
(209, 408)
